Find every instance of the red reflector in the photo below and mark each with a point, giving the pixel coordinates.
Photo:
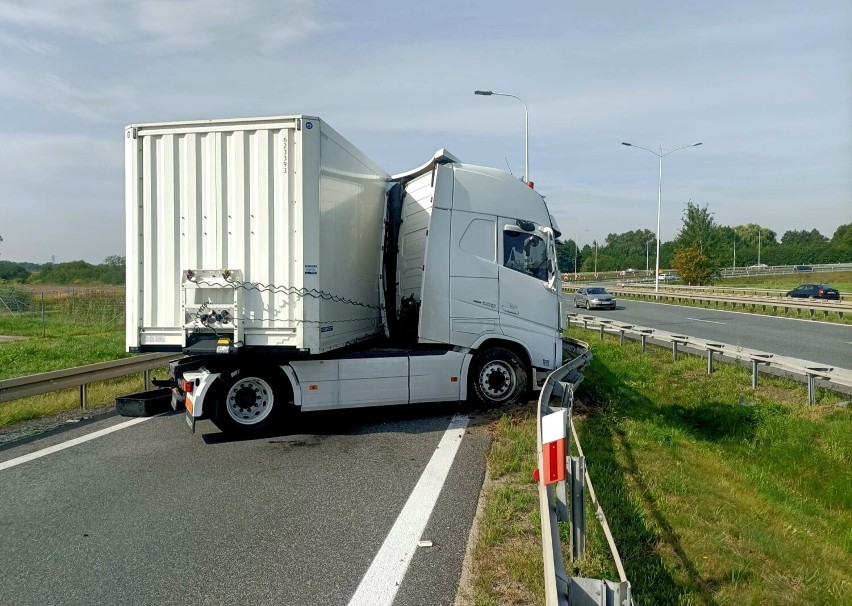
(186, 386)
(531, 184)
(821, 291)
(313, 387)
(454, 379)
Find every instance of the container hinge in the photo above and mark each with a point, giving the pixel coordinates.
(298, 124)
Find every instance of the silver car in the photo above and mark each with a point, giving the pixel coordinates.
(594, 297)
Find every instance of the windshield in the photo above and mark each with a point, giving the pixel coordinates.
(598, 291)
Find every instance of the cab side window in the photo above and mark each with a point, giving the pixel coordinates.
(525, 253)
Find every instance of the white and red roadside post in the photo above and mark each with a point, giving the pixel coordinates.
(553, 446)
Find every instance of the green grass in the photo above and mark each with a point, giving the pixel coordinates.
(43, 354)
(841, 280)
(717, 493)
(74, 331)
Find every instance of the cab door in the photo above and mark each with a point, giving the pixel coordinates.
(528, 304)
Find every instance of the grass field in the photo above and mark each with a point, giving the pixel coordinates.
(78, 327)
(841, 280)
(716, 493)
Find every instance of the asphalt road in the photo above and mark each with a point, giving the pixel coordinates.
(819, 342)
(150, 514)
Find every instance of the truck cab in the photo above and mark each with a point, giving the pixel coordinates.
(477, 257)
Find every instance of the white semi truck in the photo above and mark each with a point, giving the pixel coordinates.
(294, 273)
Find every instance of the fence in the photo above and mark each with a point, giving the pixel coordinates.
(32, 310)
(554, 502)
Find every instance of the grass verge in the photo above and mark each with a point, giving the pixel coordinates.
(841, 280)
(716, 493)
(58, 402)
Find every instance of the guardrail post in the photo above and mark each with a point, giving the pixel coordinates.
(754, 374)
(621, 337)
(643, 342)
(602, 332)
(674, 350)
(811, 389)
(84, 392)
(146, 380)
(709, 361)
(576, 477)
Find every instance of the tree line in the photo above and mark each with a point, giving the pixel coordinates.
(713, 247)
(111, 271)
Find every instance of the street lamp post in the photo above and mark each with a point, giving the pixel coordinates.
(659, 155)
(596, 258)
(488, 93)
(647, 262)
(735, 251)
(576, 248)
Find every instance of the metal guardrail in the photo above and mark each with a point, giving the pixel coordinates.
(560, 589)
(774, 293)
(82, 376)
(731, 272)
(643, 276)
(812, 373)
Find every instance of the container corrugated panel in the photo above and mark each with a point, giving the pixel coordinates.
(285, 203)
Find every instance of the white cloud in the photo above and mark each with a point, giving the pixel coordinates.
(40, 154)
(166, 25)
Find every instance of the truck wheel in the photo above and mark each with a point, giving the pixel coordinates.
(498, 377)
(249, 403)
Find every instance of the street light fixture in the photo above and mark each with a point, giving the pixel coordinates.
(488, 93)
(660, 155)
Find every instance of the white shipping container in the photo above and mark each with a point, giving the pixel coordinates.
(258, 232)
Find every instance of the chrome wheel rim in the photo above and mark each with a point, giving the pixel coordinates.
(497, 380)
(249, 401)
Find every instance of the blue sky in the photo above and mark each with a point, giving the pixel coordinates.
(767, 88)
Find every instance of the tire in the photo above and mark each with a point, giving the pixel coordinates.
(498, 377)
(249, 403)
(588, 305)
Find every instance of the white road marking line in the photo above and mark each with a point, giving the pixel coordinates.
(62, 446)
(709, 321)
(383, 578)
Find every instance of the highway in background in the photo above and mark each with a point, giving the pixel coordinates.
(150, 514)
(821, 342)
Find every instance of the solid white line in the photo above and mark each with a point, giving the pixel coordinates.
(709, 321)
(62, 446)
(383, 578)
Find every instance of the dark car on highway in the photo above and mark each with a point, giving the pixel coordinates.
(814, 291)
(594, 297)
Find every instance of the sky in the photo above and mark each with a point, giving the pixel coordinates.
(765, 86)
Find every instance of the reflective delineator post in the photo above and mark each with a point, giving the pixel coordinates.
(553, 446)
